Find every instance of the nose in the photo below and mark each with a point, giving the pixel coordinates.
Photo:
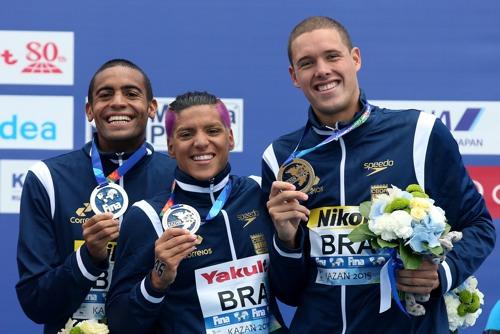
(322, 68)
(118, 100)
(200, 140)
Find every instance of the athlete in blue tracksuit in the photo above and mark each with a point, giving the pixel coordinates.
(332, 281)
(241, 232)
(59, 277)
(208, 280)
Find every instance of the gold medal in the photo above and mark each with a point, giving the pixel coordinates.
(299, 173)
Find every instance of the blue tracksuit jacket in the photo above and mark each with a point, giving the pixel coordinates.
(56, 274)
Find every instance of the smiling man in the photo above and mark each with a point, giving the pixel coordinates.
(66, 251)
(347, 152)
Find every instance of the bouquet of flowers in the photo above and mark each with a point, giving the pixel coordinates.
(411, 227)
(84, 327)
(463, 304)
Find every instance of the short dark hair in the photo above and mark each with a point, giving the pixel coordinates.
(314, 23)
(190, 99)
(124, 63)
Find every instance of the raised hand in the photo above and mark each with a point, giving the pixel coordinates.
(170, 249)
(286, 211)
(97, 232)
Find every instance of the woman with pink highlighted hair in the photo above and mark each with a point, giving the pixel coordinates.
(194, 259)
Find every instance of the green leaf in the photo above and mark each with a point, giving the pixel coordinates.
(419, 194)
(399, 204)
(76, 330)
(374, 244)
(447, 229)
(387, 244)
(414, 187)
(410, 259)
(364, 209)
(361, 233)
(438, 250)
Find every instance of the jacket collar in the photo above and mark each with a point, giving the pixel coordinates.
(188, 183)
(322, 129)
(113, 156)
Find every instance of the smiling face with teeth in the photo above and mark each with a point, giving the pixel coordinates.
(325, 69)
(200, 142)
(120, 109)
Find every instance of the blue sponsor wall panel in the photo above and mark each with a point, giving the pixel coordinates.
(411, 50)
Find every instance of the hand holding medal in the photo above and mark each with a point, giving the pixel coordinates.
(97, 232)
(286, 211)
(170, 249)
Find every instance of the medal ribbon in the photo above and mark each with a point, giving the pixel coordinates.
(334, 136)
(120, 171)
(388, 283)
(216, 207)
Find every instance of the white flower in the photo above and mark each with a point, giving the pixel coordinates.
(470, 318)
(87, 327)
(423, 203)
(471, 282)
(67, 327)
(383, 226)
(395, 192)
(452, 302)
(402, 228)
(437, 216)
(418, 213)
(93, 327)
(392, 226)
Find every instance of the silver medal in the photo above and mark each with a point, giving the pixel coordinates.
(182, 216)
(109, 198)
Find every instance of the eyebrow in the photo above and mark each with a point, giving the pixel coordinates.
(322, 53)
(188, 127)
(126, 87)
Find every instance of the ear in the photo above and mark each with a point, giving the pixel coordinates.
(291, 70)
(356, 57)
(152, 108)
(231, 140)
(171, 151)
(89, 112)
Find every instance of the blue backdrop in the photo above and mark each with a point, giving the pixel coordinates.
(425, 50)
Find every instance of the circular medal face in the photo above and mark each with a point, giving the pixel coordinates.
(299, 173)
(182, 216)
(109, 198)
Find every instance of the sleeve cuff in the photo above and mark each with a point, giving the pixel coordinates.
(149, 293)
(445, 276)
(284, 251)
(87, 268)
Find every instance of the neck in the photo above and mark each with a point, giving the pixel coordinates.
(125, 146)
(340, 113)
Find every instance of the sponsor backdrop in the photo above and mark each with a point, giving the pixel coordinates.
(441, 57)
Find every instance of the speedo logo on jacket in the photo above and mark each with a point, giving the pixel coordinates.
(377, 166)
(235, 272)
(335, 216)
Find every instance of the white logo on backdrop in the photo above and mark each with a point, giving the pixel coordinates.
(36, 57)
(472, 123)
(36, 122)
(12, 175)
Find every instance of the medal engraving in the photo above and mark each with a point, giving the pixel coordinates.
(182, 216)
(299, 173)
(109, 198)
